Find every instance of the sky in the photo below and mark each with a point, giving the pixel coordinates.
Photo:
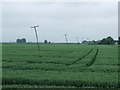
(85, 20)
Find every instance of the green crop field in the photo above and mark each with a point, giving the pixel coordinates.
(59, 65)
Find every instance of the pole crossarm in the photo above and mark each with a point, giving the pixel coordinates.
(35, 26)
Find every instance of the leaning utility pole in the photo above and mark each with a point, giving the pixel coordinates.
(36, 35)
(66, 38)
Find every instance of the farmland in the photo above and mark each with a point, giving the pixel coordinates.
(59, 65)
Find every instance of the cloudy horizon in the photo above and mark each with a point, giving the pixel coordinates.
(85, 20)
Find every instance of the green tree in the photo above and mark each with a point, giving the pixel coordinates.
(45, 41)
(23, 40)
(109, 40)
(119, 40)
(93, 42)
(18, 40)
(103, 41)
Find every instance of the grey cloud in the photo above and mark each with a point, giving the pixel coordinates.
(93, 20)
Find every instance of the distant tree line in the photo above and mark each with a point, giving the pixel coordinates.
(23, 40)
(105, 41)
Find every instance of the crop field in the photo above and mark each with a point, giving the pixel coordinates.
(59, 65)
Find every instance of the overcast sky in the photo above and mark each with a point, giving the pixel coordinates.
(88, 20)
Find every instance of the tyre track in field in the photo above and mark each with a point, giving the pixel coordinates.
(29, 61)
(93, 59)
(81, 57)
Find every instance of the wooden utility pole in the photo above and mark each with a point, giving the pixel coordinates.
(77, 39)
(66, 38)
(36, 36)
